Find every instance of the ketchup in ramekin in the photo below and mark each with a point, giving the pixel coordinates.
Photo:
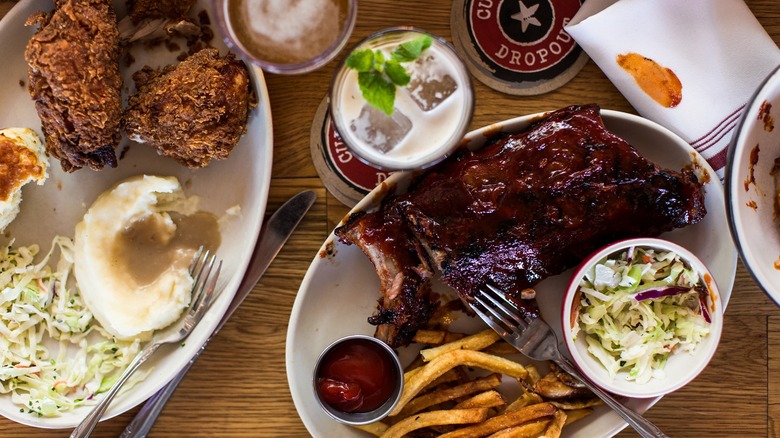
(358, 379)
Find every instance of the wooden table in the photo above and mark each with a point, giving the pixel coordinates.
(238, 388)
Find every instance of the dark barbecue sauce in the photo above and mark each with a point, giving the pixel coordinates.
(356, 376)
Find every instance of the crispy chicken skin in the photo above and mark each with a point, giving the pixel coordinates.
(194, 111)
(143, 9)
(74, 80)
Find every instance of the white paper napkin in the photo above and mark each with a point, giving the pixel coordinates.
(717, 49)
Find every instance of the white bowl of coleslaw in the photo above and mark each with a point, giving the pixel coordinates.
(642, 317)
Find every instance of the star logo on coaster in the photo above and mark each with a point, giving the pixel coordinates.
(526, 16)
(518, 46)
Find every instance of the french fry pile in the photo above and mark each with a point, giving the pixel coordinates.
(440, 399)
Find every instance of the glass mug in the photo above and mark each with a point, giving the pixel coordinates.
(430, 116)
(284, 36)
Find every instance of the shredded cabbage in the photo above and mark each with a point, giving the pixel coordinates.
(39, 307)
(625, 330)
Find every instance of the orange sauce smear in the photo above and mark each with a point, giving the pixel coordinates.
(659, 82)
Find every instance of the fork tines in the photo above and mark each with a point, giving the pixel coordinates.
(498, 310)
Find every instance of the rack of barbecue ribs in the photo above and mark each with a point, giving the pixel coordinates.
(522, 208)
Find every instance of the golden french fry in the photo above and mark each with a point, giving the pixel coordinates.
(525, 399)
(487, 399)
(577, 403)
(431, 337)
(576, 414)
(452, 337)
(504, 421)
(409, 375)
(550, 386)
(416, 363)
(565, 377)
(453, 375)
(474, 342)
(501, 347)
(533, 429)
(533, 375)
(376, 429)
(556, 425)
(447, 394)
(435, 418)
(416, 380)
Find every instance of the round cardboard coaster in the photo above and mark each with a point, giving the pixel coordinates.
(343, 174)
(517, 46)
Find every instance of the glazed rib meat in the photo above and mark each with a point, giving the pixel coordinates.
(531, 205)
(74, 80)
(406, 301)
(194, 111)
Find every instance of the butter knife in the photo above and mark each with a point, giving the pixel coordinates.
(273, 236)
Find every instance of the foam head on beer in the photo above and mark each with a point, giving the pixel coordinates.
(284, 36)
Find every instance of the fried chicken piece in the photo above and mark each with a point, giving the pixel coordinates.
(171, 9)
(150, 20)
(194, 111)
(74, 80)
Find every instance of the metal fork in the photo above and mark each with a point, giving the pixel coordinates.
(534, 338)
(202, 296)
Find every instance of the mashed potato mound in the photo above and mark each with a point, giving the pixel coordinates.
(127, 302)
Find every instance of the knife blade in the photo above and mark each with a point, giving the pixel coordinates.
(273, 236)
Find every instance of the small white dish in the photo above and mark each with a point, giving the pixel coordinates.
(750, 186)
(366, 362)
(681, 367)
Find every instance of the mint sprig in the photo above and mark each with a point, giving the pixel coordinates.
(378, 77)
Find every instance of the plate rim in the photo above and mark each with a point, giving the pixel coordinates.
(510, 125)
(737, 144)
(20, 11)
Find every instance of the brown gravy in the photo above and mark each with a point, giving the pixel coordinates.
(148, 247)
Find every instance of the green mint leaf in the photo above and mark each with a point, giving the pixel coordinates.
(396, 72)
(377, 91)
(379, 61)
(361, 60)
(411, 50)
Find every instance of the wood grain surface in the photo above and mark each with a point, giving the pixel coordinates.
(239, 388)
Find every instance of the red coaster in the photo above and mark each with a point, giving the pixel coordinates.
(343, 174)
(517, 46)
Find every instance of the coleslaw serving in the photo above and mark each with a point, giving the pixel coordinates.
(639, 306)
(55, 357)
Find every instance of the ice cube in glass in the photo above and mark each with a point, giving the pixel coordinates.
(379, 130)
(430, 84)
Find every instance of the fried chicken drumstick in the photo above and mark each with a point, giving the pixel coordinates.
(193, 112)
(74, 80)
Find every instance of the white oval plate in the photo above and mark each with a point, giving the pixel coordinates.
(751, 205)
(340, 290)
(243, 179)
